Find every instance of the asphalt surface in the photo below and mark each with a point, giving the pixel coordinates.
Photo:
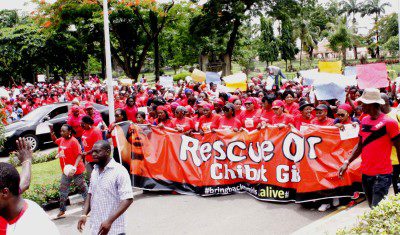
(232, 214)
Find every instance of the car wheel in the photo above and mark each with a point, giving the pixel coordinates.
(33, 141)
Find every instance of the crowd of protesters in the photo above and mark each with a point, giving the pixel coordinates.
(190, 106)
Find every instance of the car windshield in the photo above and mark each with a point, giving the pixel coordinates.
(35, 114)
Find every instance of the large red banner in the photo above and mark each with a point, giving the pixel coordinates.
(274, 164)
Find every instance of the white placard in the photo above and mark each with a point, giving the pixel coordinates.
(166, 81)
(350, 131)
(41, 78)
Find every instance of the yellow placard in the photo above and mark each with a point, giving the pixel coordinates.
(234, 86)
(330, 67)
(236, 81)
(198, 75)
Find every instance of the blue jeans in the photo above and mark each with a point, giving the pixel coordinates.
(277, 82)
(376, 187)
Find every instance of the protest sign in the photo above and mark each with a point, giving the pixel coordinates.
(350, 71)
(41, 78)
(126, 82)
(212, 77)
(236, 81)
(330, 67)
(274, 164)
(330, 90)
(198, 75)
(372, 75)
(167, 81)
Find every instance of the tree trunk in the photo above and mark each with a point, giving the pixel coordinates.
(344, 55)
(230, 46)
(286, 64)
(301, 51)
(355, 53)
(203, 62)
(156, 59)
(227, 68)
(377, 37)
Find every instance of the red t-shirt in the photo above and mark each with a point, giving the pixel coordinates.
(75, 123)
(300, 120)
(292, 109)
(206, 124)
(131, 113)
(89, 138)
(266, 115)
(250, 119)
(229, 123)
(68, 151)
(185, 123)
(327, 122)
(377, 138)
(283, 119)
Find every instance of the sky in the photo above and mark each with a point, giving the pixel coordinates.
(365, 23)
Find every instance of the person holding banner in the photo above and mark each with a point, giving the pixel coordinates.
(377, 136)
(120, 116)
(279, 116)
(209, 121)
(163, 119)
(250, 117)
(181, 123)
(344, 116)
(305, 117)
(229, 121)
(322, 119)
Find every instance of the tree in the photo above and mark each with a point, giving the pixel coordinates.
(305, 29)
(269, 46)
(217, 28)
(388, 27)
(287, 42)
(392, 45)
(341, 39)
(376, 8)
(246, 50)
(351, 8)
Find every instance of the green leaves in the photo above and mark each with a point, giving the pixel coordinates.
(383, 219)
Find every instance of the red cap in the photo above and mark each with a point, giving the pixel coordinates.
(74, 108)
(88, 105)
(277, 104)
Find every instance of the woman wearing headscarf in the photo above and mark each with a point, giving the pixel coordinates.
(74, 120)
(250, 117)
(209, 121)
(238, 106)
(182, 123)
(229, 121)
(69, 153)
(344, 116)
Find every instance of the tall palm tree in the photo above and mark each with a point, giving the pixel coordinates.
(351, 8)
(375, 8)
(306, 33)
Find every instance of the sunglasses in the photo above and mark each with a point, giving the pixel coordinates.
(248, 103)
(340, 114)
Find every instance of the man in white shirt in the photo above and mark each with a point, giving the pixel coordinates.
(110, 194)
(276, 72)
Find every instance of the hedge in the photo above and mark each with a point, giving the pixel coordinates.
(36, 158)
(383, 219)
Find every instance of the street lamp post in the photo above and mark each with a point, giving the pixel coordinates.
(110, 88)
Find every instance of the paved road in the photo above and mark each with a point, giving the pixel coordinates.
(233, 214)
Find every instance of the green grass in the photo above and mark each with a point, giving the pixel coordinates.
(44, 173)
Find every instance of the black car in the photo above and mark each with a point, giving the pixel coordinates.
(35, 125)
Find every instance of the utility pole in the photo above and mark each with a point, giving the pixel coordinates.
(110, 88)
